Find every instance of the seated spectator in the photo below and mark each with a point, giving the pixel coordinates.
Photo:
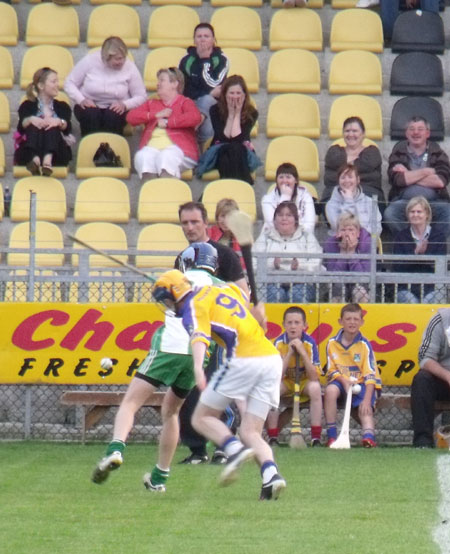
(220, 232)
(350, 238)
(348, 197)
(104, 85)
(168, 144)
(288, 189)
(43, 131)
(418, 167)
(232, 118)
(288, 236)
(366, 159)
(204, 67)
(419, 238)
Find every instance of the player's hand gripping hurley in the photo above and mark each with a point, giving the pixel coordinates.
(296, 440)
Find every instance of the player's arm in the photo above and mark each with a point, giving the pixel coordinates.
(198, 355)
(311, 371)
(333, 371)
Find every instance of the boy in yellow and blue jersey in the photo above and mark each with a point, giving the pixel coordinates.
(350, 360)
(290, 344)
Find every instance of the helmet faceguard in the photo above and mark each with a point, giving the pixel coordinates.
(199, 255)
(170, 288)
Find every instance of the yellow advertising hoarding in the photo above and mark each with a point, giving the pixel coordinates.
(64, 343)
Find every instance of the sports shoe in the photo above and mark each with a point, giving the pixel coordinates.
(367, 3)
(368, 443)
(105, 465)
(219, 457)
(315, 442)
(194, 459)
(330, 441)
(230, 472)
(273, 489)
(150, 486)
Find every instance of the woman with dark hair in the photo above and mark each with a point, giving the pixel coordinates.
(44, 126)
(287, 188)
(367, 160)
(232, 119)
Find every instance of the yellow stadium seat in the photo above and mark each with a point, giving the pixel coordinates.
(249, 3)
(5, 116)
(365, 107)
(126, 2)
(356, 29)
(244, 62)
(49, 23)
(293, 70)
(237, 27)
(9, 27)
(172, 26)
(300, 151)
(57, 57)
(44, 291)
(99, 290)
(195, 3)
(50, 199)
(102, 199)
(85, 166)
(47, 236)
(6, 68)
(242, 192)
(114, 20)
(293, 114)
(343, 4)
(2, 158)
(160, 236)
(166, 56)
(59, 172)
(296, 29)
(355, 72)
(159, 200)
(103, 236)
(311, 3)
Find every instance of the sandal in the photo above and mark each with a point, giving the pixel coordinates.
(33, 168)
(47, 170)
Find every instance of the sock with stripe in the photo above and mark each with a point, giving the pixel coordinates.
(159, 476)
(331, 431)
(268, 470)
(231, 446)
(115, 446)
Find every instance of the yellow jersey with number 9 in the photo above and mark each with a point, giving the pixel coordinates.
(219, 312)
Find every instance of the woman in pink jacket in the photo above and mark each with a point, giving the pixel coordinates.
(168, 144)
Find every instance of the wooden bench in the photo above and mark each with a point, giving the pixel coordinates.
(96, 403)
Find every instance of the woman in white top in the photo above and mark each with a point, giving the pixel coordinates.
(287, 189)
(287, 236)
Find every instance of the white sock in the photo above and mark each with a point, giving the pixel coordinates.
(268, 472)
(232, 446)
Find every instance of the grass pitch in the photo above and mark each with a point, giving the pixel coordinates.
(381, 501)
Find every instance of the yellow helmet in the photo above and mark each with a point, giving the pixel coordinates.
(442, 437)
(170, 288)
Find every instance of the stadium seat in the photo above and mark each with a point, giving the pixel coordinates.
(85, 166)
(242, 192)
(293, 114)
(293, 70)
(365, 107)
(194, 3)
(237, 27)
(159, 200)
(6, 68)
(160, 236)
(172, 26)
(295, 29)
(244, 62)
(2, 158)
(429, 108)
(44, 291)
(301, 151)
(166, 56)
(114, 20)
(418, 32)
(102, 199)
(99, 290)
(57, 57)
(343, 4)
(311, 3)
(356, 29)
(49, 23)
(9, 26)
(248, 3)
(103, 236)
(47, 236)
(50, 199)
(355, 72)
(417, 74)
(5, 116)
(59, 172)
(126, 2)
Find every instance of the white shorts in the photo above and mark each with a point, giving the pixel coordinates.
(254, 380)
(171, 159)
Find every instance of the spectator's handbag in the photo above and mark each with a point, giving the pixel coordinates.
(106, 157)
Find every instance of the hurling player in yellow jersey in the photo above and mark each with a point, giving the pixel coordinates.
(250, 373)
(350, 360)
